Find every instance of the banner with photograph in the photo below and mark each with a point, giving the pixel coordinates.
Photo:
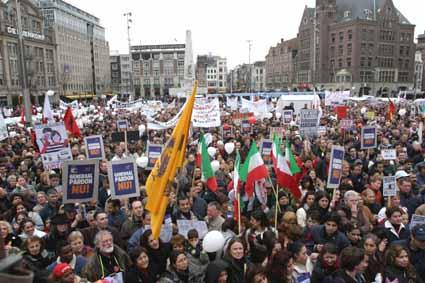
(123, 179)
(335, 167)
(369, 138)
(94, 147)
(206, 113)
(52, 141)
(389, 187)
(80, 180)
(153, 152)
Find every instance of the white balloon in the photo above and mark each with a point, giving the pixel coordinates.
(402, 112)
(215, 165)
(213, 242)
(268, 115)
(212, 151)
(278, 115)
(142, 161)
(142, 129)
(229, 147)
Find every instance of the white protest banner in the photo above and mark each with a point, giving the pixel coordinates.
(309, 120)
(52, 140)
(416, 220)
(259, 108)
(333, 98)
(389, 186)
(322, 130)
(185, 226)
(287, 116)
(346, 124)
(206, 114)
(232, 103)
(4, 134)
(389, 154)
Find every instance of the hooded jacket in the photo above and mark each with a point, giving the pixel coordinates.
(214, 269)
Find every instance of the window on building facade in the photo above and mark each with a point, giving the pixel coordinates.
(339, 63)
(403, 77)
(341, 36)
(349, 62)
(340, 50)
(349, 48)
(333, 36)
(350, 35)
(362, 61)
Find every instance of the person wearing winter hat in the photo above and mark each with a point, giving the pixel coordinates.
(63, 273)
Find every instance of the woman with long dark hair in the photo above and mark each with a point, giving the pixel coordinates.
(142, 270)
(306, 204)
(398, 267)
(321, 204)
(326, 265)
(281, 267)
(180, 271)
(374, 251)
(235, 258)
(157, 250)
(303, 266)
(259, 225)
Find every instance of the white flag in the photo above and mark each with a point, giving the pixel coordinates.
(47, 111)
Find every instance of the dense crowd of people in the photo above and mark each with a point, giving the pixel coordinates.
(351, 234)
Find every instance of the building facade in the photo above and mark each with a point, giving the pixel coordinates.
(82, 50)
(419, 68)
(280, 65)
(258, 76)
(421, 48)
(366, 46)
(211, 72)
(121, 74)
(39, 53)
(157, 68)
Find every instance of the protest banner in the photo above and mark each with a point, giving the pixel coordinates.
(259, 108)
(346, 124)
(389, 188)
(389, 154)
(278, 131)
(368, 138)
(153, 152)
(238, 116)
(122, 125)
(335, 167)
(80, 180)
(94, 147)
(322, 130)
(232, 103)
(246, 127)
(123, 179)
(185, 225)
(52, 140)
(333, 98)
(206, 114)
(227, 132)
(4, 134)
(287, 116)
(309, 120)
(266, 149)
(416, 220)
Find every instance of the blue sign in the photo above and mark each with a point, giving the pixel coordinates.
(335, 167)
(94, 147)
(154, 152)
(80, 179)
(123, 179)
(122, 125)
(368, 138)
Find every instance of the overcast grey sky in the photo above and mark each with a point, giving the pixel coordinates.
(221, 27)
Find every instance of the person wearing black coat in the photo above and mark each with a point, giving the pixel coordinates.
(353, 263)
(158, 251)
(395, 229)
(142, 270)
(217, 272)
(235, 258)
(398, 267)
(329, 233)
(326, 265)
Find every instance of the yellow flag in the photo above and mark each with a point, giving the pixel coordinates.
(166, 166)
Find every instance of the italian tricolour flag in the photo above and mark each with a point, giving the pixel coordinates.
(253, 170)
(285, 167)
(208, 175)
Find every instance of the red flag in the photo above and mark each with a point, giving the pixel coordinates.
(391, 110)
(22, 116)
(70, 123)
(341, 111)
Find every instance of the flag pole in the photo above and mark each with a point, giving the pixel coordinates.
(238, 195)
(276, 211)
(274, 191)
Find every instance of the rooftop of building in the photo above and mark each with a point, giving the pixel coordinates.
(46, 4)
(157, 47)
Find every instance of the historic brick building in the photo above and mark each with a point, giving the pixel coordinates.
(363, 45)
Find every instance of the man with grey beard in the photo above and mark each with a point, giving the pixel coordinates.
(108, 260)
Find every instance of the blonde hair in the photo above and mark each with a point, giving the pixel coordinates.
(7, 224)
(74, 236)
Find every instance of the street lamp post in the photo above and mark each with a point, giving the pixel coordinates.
(249, 64)
(129, 21)
(23, 71)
